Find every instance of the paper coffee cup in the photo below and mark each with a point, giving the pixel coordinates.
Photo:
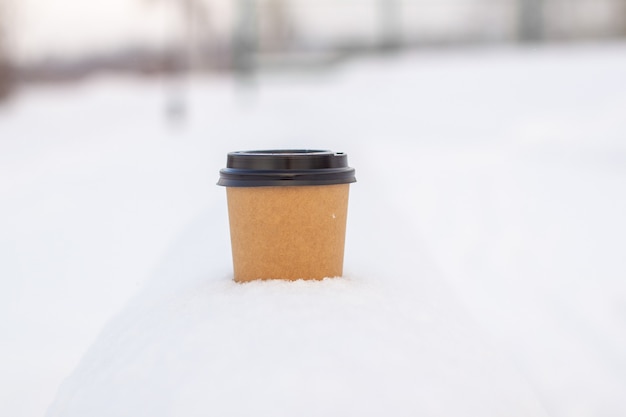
(287, 211)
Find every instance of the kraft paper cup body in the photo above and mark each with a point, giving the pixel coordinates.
(290, 228)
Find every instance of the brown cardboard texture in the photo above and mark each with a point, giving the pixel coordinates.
(287, 232)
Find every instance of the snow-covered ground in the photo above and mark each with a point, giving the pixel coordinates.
(485, 252)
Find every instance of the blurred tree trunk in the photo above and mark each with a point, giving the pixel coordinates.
(194, 37)
(530, 20)
(5, 79)
(278, 29)
(245, 40)
(622, 16)
(390, 24)
(6, 75)
(189, 54)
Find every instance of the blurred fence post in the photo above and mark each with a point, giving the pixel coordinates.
(245, 39)
(390, 24)
(530, 20)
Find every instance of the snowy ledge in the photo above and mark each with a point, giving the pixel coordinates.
(388, 339)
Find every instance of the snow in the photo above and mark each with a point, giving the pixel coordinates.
(484, 256)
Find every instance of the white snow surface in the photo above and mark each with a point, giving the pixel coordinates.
(484, 270)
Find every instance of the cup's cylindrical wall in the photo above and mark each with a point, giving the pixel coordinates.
(288, 232)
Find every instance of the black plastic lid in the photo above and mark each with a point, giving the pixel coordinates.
(286, 167)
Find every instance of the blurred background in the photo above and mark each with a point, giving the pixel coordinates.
(69, 40)
(115, 117)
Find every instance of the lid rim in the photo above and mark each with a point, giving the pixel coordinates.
(286, 167)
